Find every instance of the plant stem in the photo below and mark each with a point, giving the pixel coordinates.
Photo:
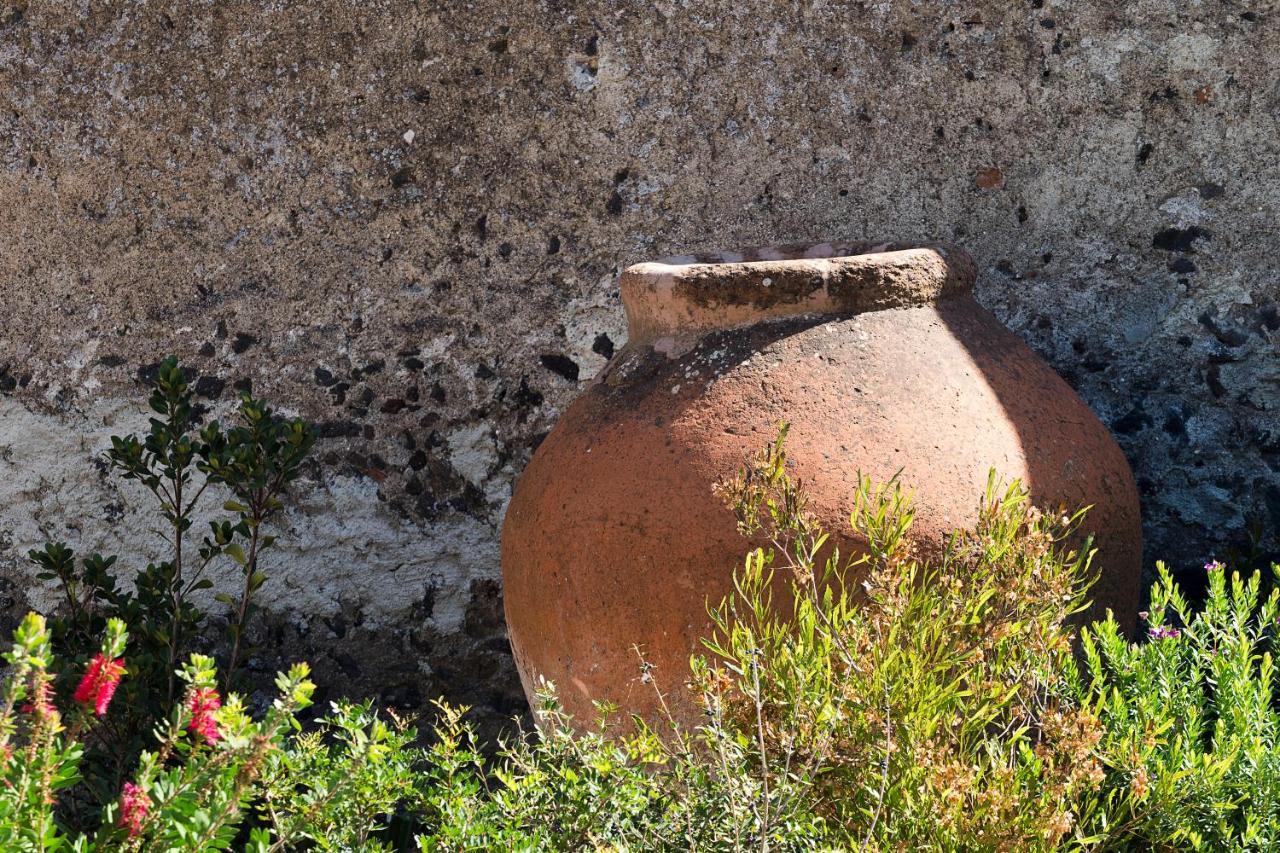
(175, 583)
(764, 754)
(250, 567)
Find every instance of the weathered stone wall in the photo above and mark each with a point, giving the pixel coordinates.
(404, 221)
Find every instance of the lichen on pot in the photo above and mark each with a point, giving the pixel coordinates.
(882, 362)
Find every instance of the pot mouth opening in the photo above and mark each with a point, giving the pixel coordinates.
(690, 295)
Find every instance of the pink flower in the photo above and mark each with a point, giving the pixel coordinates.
(1214, 566)
(41, 704)
(204, 701)
(134, 805)
(99, 683)
(1163, 633)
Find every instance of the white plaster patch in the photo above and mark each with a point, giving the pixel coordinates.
(1103, 56)
(585, 320)
(342, 545)
(1192, 52)
(339, 546)
(472, 452)
(581, 76)
(1186, 209)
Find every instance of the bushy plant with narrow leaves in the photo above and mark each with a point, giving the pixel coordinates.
(339, 785)
(1191, 720)
(916, 696)
(615, 786)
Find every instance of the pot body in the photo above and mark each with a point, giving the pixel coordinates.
(614, 540)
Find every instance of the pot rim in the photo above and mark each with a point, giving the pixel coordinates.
(690, 295)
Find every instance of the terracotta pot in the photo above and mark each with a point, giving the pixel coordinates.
(881, 361)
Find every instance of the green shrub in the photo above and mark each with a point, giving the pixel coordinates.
(181, 465)
(1191, 728)
(875, 701)
(917, 697)
(338, 785)
(609, 788)
(187, 793)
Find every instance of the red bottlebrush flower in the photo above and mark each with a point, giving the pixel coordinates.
(204, 701)
(41, 704)
(99, 683)
(84, 690)
(134, 805)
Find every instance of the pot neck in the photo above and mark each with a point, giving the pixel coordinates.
(686, 297)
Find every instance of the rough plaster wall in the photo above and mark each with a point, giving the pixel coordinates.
(404, 221)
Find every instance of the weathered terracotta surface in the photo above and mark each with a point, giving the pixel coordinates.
(879, 358)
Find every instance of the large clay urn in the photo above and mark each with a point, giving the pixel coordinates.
(881, 361)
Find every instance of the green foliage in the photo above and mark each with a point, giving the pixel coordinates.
(37, 763)
(178, 463)
(917, 696)
(1191, 737)
(606, 788)
(198, 790)
(873, 700)
(188, 793)
(337, 786)
(877, 701)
